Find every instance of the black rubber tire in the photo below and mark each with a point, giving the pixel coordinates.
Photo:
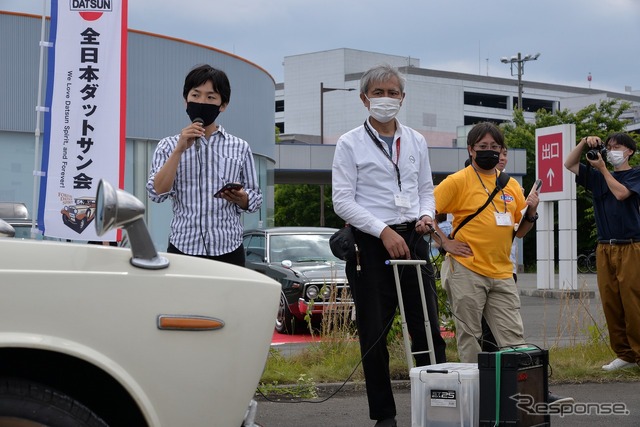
(28, 404)
(583, 264)
(285, 322)
(592, 262)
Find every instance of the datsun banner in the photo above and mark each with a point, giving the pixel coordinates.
(84, 133)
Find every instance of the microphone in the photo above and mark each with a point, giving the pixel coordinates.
(198, 120)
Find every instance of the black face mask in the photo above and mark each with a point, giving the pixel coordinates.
(207, 112)
(487, 159)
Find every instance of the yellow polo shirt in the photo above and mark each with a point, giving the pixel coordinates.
(461, 194)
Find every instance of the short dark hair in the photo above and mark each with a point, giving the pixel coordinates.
(622, 139)
(481, 129)
(203, 73)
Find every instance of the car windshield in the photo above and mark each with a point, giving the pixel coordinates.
(300, 248)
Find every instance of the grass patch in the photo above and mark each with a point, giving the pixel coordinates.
(582, 363)
(335, 360)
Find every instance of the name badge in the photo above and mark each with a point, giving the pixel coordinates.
(503, 219)
(402, 201)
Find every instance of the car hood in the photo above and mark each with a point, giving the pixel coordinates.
(320, 271)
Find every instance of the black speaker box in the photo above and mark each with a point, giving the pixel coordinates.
(523, 381)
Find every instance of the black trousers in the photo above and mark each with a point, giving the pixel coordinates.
(236, 257)
(376, 299)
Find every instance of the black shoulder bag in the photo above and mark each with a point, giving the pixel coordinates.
(501, 182)
(343, 243)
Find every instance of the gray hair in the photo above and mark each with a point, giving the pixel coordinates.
(380, 73)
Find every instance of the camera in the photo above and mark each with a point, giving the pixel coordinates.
(593, 153)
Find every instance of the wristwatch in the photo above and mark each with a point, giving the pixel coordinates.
(532, 218)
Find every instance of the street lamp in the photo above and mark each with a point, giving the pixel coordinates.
(519, 61)
(322, 92)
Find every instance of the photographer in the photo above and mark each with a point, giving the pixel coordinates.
(616, 204)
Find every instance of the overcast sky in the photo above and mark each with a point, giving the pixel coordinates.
(574, 37)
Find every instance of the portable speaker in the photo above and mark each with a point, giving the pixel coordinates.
(512, 378)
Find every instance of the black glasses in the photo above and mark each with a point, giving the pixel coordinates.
(493, 147)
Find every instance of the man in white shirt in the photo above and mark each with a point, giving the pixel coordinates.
(382, 187)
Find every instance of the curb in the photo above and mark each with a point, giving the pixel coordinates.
(559, 294)
(327, 389)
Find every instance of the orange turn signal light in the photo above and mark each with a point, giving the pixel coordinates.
(170, 322)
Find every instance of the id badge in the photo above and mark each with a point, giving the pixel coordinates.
(402, 201)
(503, 219)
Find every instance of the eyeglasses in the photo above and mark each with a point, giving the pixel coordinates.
(493, 147)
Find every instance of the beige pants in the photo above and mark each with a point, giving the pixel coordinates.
(471, 296)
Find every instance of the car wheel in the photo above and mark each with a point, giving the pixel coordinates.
(285, 322)
(83, 223)
(29, 404)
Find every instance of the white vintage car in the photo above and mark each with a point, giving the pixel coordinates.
(93, 335)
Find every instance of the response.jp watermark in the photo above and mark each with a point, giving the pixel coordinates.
(528, 404)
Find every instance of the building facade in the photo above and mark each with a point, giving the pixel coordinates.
(155, 108)
(321, 96)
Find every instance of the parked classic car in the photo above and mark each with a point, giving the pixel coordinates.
(313, 280)
(93, 335)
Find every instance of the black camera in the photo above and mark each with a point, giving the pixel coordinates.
(593, 153)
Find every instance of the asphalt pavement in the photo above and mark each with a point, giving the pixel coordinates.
(551, 318)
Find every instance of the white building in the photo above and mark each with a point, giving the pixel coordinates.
(439, 104)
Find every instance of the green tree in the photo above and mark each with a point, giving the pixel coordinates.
(299, 205)
(596, 119)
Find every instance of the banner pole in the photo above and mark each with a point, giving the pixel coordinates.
(37, 173)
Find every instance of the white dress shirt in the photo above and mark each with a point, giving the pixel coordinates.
(365, 184)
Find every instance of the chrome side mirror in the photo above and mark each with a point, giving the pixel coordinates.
(116, 208)
(6, 230)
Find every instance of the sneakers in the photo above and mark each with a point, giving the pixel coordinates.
(618, 364)
(554, 399)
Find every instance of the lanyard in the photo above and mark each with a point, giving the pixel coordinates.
(387, 155)
(487, 190)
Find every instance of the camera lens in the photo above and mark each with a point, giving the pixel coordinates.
(592, 155)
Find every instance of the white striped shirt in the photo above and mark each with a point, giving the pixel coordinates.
(203, 224)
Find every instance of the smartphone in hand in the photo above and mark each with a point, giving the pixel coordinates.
(228, 186)
(536, 186)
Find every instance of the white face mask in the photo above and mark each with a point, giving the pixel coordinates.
(383, 109)
(616, 158)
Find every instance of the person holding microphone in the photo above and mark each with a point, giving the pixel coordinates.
(208, 173)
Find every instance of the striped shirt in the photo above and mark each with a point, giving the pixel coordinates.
(203, 224)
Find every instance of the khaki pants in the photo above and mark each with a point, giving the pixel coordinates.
(619, 286)
(471, 296)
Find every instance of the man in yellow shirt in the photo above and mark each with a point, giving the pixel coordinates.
(479, 274)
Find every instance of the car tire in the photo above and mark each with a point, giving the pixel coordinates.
(285, 321)
(29, 404)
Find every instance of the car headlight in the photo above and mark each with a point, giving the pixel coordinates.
(326, 292)
(312, 292)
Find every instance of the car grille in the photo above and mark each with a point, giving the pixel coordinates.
(340, 292)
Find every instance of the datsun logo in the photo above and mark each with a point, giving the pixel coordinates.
(90, 10)
(507, 198)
